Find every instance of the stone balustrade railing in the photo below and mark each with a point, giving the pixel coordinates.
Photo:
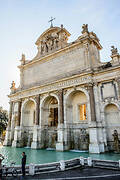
(69, 164)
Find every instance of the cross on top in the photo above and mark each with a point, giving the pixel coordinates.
(51, 21)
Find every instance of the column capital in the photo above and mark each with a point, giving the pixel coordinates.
(117, 78)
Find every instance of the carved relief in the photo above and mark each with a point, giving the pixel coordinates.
(65, 91)
(13, 85)
(114, 50)
(116, 141)
(53, 39)
(13, 88)
(85, 28)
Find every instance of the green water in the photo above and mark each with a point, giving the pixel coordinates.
(47, 156)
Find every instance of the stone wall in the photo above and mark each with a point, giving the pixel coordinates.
(55, 67)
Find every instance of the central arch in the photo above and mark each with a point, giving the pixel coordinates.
(49, 121)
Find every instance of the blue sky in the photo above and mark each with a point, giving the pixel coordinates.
(22, 22)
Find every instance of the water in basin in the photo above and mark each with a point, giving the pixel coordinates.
(47, 156)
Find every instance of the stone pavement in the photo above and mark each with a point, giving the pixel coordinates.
(75, 174)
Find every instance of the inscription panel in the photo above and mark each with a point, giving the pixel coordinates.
(52, 87)
(108, 90)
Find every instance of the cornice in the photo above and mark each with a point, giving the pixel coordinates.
(107, 70)
(85, 74)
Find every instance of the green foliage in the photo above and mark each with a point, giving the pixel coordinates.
(3, 120)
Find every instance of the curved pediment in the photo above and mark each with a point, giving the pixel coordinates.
(52, 39)
(52, 31)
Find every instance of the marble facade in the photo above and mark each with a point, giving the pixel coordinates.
(67, 98)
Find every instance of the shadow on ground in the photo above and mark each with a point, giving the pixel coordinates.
(75, 174)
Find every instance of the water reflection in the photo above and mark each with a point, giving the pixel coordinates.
(47, 156)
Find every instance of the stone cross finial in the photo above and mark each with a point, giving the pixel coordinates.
(114, 50)
(85, 28)
(51, 21)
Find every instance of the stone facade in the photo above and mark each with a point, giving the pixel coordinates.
(67, 98)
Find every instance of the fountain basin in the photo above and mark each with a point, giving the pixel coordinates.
(48, 156)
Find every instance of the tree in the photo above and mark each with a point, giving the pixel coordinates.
(3, 120)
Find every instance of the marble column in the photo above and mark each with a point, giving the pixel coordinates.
(17, 142)
(92, 103)
(61, 107)
(118, 83)
(19, 113)
(10, 114)
(37, 110)
(95, 128)
(36, 143)
(7, 141)
(61, 145)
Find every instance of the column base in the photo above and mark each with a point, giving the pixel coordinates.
(96, 141)
(17, 142)
(102, 147)
(7, 141)
(60, 146)
(96, 148)
(36, 145)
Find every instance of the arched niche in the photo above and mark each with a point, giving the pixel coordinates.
(112, 120)
(28, 113)
(49, 112)
(77, 121)
(76, 107)
(49, 121)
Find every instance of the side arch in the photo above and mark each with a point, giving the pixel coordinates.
(112, 122)
(24, 106)
(77, 118)
(66, 98)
